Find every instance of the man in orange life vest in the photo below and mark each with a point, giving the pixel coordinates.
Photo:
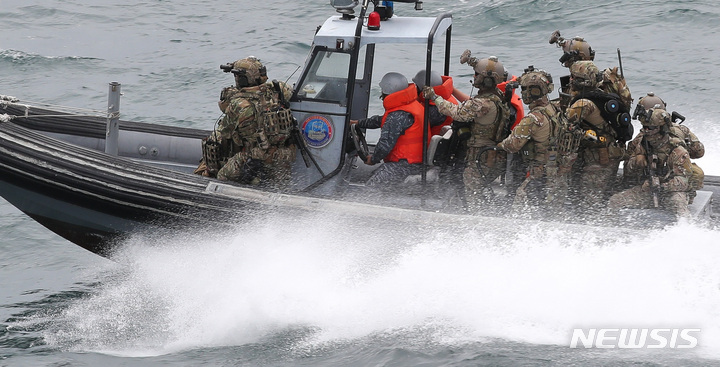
(443, 87)
(400, 145)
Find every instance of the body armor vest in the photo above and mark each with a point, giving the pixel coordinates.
(272, 123)
(270, 126)
(663, 154)
(544, 152)
(495, 132)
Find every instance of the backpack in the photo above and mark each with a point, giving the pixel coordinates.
(613, 110)
(614, 83)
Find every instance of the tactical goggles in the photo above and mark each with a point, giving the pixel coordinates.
(534, 91)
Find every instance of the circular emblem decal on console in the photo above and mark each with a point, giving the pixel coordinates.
(317, 131)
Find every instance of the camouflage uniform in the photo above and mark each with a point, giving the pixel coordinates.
(673, 170)
(256, 123)
(254, 134)
(677, 132)
(577, 49)
(695, 148)
(598, 158)
(536, 138)
(487, 114)
(693, 145)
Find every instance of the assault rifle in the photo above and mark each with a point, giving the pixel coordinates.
(651, 172)
(295, 131)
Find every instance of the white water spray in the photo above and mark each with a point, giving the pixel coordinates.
(347, 282)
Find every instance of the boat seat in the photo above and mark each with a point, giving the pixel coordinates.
(433, 173)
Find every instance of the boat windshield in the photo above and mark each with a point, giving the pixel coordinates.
(327, 77)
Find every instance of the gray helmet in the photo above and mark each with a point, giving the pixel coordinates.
(419, 79)
(393, 82)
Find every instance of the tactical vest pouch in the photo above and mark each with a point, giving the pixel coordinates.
(696, 180)
(212, 155)
(603, 156)
(568, 142)
(278, 125)
(616, 152)
(528, 151)
(504, 124)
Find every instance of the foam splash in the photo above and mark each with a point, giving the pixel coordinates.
(531, 285)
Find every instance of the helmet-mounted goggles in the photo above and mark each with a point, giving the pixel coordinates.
(242, 77)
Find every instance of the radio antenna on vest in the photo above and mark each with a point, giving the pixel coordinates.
(620, 63)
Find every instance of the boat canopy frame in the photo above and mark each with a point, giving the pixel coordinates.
(340, 35)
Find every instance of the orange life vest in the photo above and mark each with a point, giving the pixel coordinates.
(515, 101)
(410, 144)
(444, 90)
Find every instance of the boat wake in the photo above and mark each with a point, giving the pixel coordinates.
(340, 281)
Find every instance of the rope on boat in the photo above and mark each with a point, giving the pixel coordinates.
(71, 111)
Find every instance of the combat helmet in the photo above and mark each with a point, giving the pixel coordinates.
(535, 84)
(249, 72)
(419, 79)
(488, 72)
(393, 82)
(656, 118)
(584, 75)
(574, 49)
(652, 101)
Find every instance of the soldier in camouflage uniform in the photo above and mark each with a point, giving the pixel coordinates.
(692, 144)
(536, 137)
(601, 151)
(663, 164)
(578, 49)
(695, 148)
(251, 143)
(486, 116)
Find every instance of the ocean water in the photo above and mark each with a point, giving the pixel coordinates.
(321, 292)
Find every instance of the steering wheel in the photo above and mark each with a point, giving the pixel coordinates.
(358, 139)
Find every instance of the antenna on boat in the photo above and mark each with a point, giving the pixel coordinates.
(291, 75)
